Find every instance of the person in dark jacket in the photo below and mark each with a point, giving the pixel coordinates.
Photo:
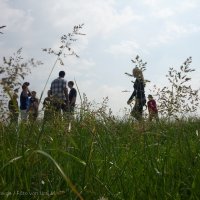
(72, 96)
(138, 94)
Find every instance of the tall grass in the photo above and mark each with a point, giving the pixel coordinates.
(100, 158)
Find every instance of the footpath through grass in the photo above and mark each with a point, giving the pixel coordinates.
(100, 159)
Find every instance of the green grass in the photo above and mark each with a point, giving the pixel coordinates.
(100, 158)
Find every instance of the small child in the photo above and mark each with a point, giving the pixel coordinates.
(47, 106)
(152, 108)
(33, 106)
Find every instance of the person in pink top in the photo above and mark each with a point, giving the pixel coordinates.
(152, 108)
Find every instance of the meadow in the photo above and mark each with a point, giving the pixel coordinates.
(97, 156)
(100, 158)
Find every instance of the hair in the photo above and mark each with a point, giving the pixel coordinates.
(33, 92)
(24, 87)
(138, 73)
(26, 83)
(150, 96)
(62, 74)
(71, 83)
(15, 95)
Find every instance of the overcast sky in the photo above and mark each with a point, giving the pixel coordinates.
(164, 33)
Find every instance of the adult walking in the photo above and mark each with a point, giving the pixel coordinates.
(59, 93)
(138, 94)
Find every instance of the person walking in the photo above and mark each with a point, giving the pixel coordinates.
(59, 93)
(138, 94)
(152, 108)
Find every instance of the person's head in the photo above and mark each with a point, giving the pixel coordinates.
(150, 97)
(15, 96)
(26, 84)
(137, 73)
(61, 74)
(70, 84)
(24, 87)
(33, 93)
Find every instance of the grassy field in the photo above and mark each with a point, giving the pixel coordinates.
(100, 158)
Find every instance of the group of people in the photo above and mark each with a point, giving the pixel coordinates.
(29, 104)
(58, 100)
(140, 100)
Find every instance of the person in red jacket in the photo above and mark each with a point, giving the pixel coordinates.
(152, 108)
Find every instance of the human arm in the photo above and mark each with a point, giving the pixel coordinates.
(135, 86)
(131, 97)
(133, 94)
(66, 95)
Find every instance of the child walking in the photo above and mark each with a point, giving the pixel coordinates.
(152, 108)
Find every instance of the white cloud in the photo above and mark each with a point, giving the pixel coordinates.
(163, 13)
(100, 17)
(82, 68)
(16, 20)
(173, 31)
(187, 5)
(125, 47)
(117, 99)
(166, 9)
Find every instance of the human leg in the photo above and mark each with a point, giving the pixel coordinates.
(24, 115)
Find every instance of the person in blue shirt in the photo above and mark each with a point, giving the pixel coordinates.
(24, 102)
